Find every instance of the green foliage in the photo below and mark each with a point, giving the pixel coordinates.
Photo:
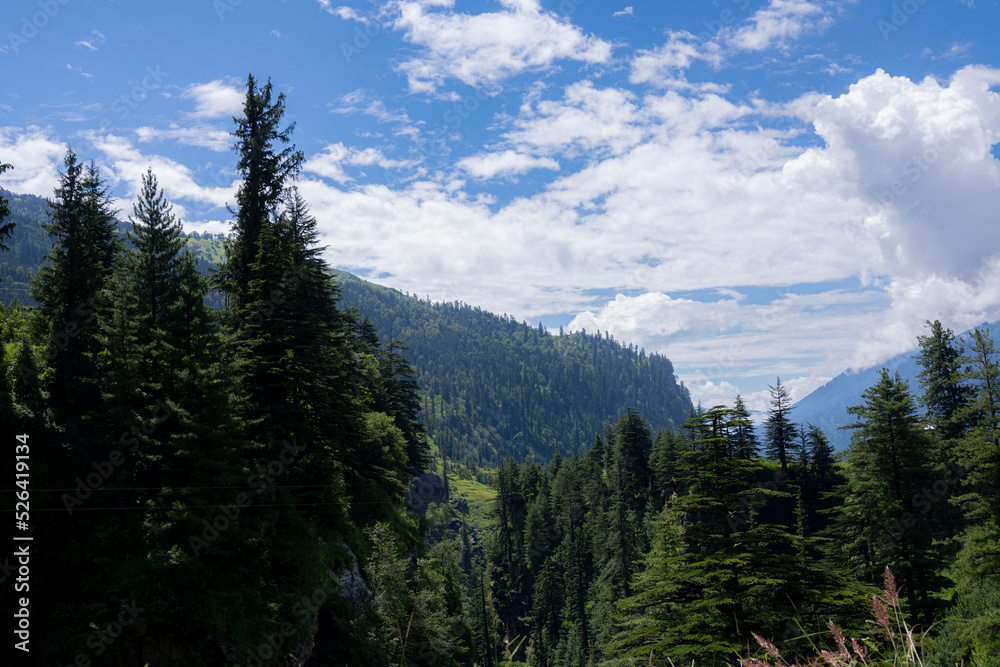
(67, 288)
(781, 433)
(970, 634)
(6, 228)
(265, 169)
(493, 387)
(945, 397)
(892, 461)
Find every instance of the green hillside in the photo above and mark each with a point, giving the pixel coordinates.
(496, 387)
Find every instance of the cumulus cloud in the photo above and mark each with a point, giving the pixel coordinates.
(505, 163)
(917, 153)
(127, 164)
(484, 49)
(215, 99)
(35, 156)
(203, 136)
(682, 192)
(587, 120)
(665, 65)
(330, 162)
(780, 22)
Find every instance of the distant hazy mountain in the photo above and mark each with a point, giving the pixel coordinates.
(827, 406)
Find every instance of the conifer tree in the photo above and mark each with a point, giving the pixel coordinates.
(978, 454)
(822, 476)
(67, 289)
(667, 447)
(711, 575)
(6, 228)
(945, 396)
(745, 438)
(891, 462)
(266, 168)
(779, 429)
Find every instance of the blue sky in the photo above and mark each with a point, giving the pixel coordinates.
(754, 188)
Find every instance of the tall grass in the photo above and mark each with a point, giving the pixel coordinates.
(890, 642)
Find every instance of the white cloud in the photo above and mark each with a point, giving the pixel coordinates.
(959, 304)
(346, 13)
(202, 136)
(329, 163)
(913, 154)
(781, 22)
(93, 43)
(587, 120)
(80, 71)
(627, 11)
(666, 65)
(683, 192)
(127, 164)
(484, 49)
(505, 163)
(956, 50)
(360, 102)
(35, 156)
(215, 99)
(776, 25)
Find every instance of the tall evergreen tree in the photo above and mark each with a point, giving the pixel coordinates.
(710, 579)
(779, 429)
(944, 395)
(266, 168)
(891, 463)
(821, 478)
(978, 454)
(6, 228)
(67, 288)
(745, 439)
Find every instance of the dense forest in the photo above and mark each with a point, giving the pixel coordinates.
(255, 484)
(495, 387)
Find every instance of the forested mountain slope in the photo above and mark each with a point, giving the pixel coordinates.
(490, 386)
(496, 387)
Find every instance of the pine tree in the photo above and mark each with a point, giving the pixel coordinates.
(682, 611)
(68, 290)
(821, 479)
(266, 169)
(745, 439)
(944, 395)
(6, 228)
(711, 576)
(891, 463)
(633, 445)
(779, 429)
(978, 454)
(667, 447)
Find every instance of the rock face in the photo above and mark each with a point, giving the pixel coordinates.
(352, 584)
